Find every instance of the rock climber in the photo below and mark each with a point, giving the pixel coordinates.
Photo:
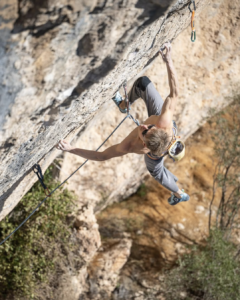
(151, 138)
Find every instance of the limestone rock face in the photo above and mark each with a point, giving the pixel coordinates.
(208, 69)
(208, 73)
(87, 237)
(61, 63)
(104, 269)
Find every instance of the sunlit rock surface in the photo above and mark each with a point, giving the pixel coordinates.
(208, 73)
(61, 66)
(62, 62)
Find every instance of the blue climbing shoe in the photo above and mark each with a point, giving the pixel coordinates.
(173, 200)
(117, 99)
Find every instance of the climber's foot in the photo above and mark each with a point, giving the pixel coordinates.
(122, 105)
(118, 100)
(173, 200)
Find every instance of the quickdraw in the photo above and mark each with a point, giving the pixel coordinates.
(38, 171)
(193, 33)
(126, 95)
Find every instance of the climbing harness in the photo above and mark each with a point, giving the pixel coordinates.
(193, 33)
(37, 170)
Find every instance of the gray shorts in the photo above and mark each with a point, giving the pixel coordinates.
(145, 89)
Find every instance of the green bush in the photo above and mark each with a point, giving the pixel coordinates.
(209, 272)
(142, 190)
(40, 248)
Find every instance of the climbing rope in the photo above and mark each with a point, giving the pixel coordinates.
(193, 33)
(37, 170)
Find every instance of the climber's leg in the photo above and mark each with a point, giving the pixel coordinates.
(162, 174)
(166, 179)
(145, 89)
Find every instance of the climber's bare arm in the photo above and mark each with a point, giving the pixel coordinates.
(168, 108)
(111, 152)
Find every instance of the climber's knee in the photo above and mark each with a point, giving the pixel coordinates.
(159, 179)
(143, 82)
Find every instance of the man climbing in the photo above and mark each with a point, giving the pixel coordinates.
(151, 138)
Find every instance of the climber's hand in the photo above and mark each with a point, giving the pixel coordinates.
(165, 51)
(64, 146)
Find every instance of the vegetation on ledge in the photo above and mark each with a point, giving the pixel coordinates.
(44, 247)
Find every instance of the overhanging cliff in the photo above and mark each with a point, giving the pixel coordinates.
(62, 62)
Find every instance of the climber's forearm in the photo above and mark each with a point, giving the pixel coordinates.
(165, 118)
(88, 154)
(172, 79)
(111, 152)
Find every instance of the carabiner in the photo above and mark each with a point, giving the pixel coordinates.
(194, 6)
(193, 34)
(38, 171)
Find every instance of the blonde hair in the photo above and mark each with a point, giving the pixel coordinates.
(157, 141)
